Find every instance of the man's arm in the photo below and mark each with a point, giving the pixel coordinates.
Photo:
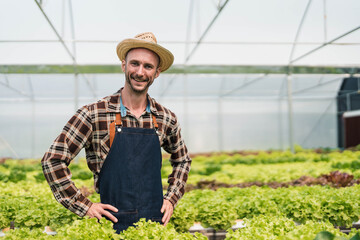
(180, 162)
(74, 136)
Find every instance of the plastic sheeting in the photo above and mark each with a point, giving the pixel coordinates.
(216, 112)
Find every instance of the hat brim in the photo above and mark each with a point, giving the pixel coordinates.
(166, 57)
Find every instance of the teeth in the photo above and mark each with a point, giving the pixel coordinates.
(138, 80)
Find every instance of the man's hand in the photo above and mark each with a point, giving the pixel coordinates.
(167, 209)
(98, 210)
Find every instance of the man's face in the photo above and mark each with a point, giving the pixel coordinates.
(141, 68)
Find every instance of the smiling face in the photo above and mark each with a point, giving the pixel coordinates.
(141, 68)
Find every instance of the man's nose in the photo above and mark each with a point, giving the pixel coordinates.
(140, 71)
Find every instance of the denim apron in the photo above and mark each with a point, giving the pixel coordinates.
(130, 178)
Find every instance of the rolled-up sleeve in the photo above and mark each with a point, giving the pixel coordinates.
(74, 136)
(180, 162)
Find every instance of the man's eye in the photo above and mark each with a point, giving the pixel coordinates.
(148, 67)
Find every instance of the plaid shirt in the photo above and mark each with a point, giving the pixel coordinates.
(89, 129)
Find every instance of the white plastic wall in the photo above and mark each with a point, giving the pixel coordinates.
(216, 112)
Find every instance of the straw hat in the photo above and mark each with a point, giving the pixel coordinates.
(146, 40)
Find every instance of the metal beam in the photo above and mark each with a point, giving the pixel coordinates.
(179, 42)
(188, 33)
(76, 75)
(289, 80)
(55, 31)
(74, 52)
(317, 123)
(325, 21)
(298, 31)
(206, 31)
(63, 19)
(290, 113)
(72, 56)
(188, 28)
(168, 85)
(33, 118)
(325, 44)
(244, 85)
(186, 106)
(6, 79)
(9, 147)
(16, 90)
(280, 111)
(220, 117)
(192, 98)
(317, 85)
(72, 29)
(32, 95)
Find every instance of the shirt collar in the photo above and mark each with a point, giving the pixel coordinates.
(123, 108)
(115, 104)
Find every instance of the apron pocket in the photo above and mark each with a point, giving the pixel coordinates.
(156, 220)
(152, 215)
(125, 219)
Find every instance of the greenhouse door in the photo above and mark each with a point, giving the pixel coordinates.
(351, 128)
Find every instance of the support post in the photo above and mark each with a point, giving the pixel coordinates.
(220, 115)
(76, 100)
(290, 112)
(186, 127)
(280, 115)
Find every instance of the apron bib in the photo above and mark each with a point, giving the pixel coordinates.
(130, 178)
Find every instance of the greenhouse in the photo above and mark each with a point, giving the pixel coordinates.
(278, 80)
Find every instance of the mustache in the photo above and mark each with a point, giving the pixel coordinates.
(136, 78)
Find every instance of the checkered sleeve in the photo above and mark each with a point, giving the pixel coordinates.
(180, 161)
(74, 136)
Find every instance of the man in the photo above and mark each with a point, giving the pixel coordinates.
(122, 135)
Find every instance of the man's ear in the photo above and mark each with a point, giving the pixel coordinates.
(158, 71)
(123, 63)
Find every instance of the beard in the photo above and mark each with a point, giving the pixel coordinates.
(133, 77)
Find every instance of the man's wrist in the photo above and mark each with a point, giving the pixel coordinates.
(88, 208)
(171, 200)
(81, 206)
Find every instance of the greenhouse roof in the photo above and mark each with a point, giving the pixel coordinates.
(211, 32)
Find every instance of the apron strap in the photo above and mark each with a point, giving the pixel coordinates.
(118, 122)
(113, 125)
(154, 122)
